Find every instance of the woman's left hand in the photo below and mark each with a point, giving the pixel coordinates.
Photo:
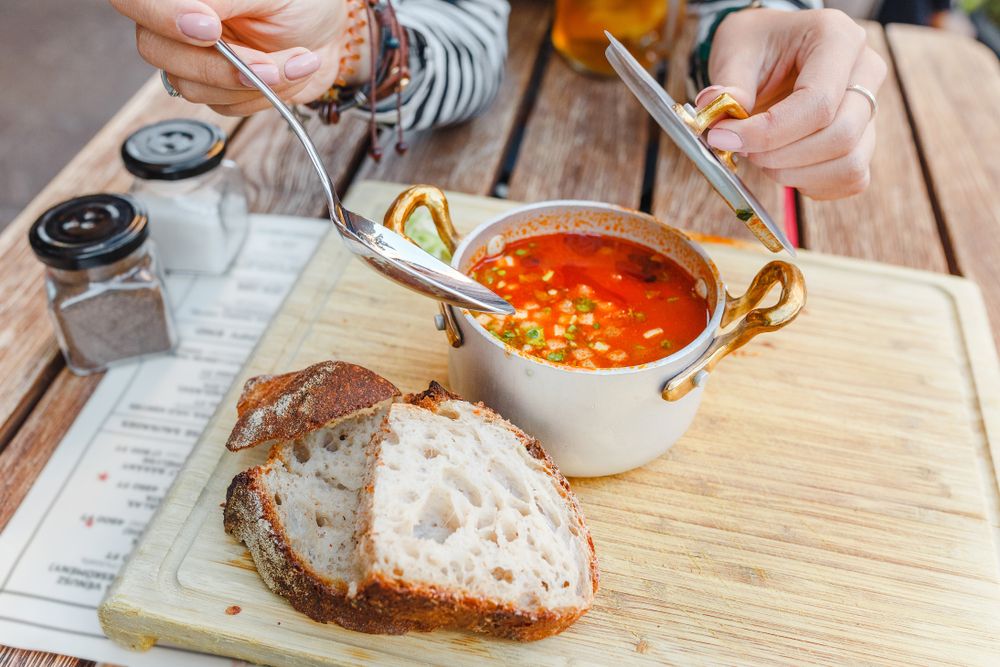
(793, 70)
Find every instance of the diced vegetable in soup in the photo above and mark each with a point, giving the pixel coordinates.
(591, 301)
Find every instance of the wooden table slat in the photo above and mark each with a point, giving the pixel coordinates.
(562, 157)
(279, 176)
(959, 136)
(28, 353)
(681, 195)
(893, 221)
(469, 157)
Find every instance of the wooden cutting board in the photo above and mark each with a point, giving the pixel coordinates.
(835, 501)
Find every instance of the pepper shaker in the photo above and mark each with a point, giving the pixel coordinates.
(103, 280)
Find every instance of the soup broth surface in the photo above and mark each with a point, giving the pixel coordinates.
(591, 300)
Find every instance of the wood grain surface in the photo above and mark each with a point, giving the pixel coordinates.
(959, 136)
(681, 195)
(584, 139)
(469, 157)
(28, 353)
(893, 221)
(852, 521)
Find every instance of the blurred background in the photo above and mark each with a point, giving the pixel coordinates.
(66, 67)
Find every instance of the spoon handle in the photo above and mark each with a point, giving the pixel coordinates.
(333, 201)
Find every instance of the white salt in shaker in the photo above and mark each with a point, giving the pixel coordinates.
(196, 200)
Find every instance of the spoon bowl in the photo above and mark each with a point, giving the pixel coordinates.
(382, 249)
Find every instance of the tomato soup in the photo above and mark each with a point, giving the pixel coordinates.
(591, 301)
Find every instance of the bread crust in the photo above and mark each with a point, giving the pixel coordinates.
(250, 516)
(439, 609)
(289, 406)
(284, 407)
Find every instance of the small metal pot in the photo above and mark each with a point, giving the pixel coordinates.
(598, 421)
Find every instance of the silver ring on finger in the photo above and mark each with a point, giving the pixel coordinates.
(167, 86)
(868, 95)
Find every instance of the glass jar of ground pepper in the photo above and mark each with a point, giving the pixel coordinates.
(103, 280)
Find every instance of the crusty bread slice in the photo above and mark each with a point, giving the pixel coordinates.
(297, 512)
(465, 522)
(273, 408)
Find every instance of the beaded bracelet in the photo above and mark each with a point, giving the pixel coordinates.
(390, 72)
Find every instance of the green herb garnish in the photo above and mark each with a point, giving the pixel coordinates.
(666, 344)
(520, 252)
(534, 336)
(556, 356)
(584, 305)
(597, 325)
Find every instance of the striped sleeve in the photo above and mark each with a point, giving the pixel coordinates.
(710, 13)
(457, 53)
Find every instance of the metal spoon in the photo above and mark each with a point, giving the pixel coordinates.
(384, 250)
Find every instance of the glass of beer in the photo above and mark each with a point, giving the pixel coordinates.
(642, 26)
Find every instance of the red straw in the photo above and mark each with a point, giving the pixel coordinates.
(791, 217)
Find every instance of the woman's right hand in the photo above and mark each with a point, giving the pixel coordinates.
(294, 46)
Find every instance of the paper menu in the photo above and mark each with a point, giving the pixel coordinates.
(87, 509)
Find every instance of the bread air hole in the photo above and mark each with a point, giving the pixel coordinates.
(509, 530)
(438, 519)
(458, 481)
(449, 412)
(322, 521)
(301, 451)
(431, 453)
(503, 574)
(277, 499)
(509, 481)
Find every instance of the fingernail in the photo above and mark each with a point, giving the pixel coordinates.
(704, 95)
(724, 140)
(301, 65)
(202, 27)
(267, 72)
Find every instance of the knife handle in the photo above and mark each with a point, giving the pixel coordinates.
(723, 106)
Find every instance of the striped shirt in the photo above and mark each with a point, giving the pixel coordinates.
(458, 49)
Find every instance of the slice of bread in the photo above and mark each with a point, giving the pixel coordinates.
(465, 522)
(297, 512)
(386, 517)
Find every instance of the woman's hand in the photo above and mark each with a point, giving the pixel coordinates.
(793, 69)
(293, 45)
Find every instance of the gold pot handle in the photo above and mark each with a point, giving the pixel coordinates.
(723, 106)
(431, 198)
(436, 203)
(756, 321)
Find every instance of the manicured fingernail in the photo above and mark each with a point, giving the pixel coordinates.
(267, 72)
(724, 140)
(202, 27)
(301, 65)
(704, 95)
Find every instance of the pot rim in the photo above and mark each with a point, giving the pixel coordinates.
(694, 346)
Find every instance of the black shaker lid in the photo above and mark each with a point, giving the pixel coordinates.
(172, 150)
(89, 231)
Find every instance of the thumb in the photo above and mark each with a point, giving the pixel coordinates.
(734, 67)
(187, 21)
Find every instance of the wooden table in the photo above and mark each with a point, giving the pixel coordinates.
(934, 202)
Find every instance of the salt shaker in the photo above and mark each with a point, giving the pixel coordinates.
(196, 199)
(103, 280)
